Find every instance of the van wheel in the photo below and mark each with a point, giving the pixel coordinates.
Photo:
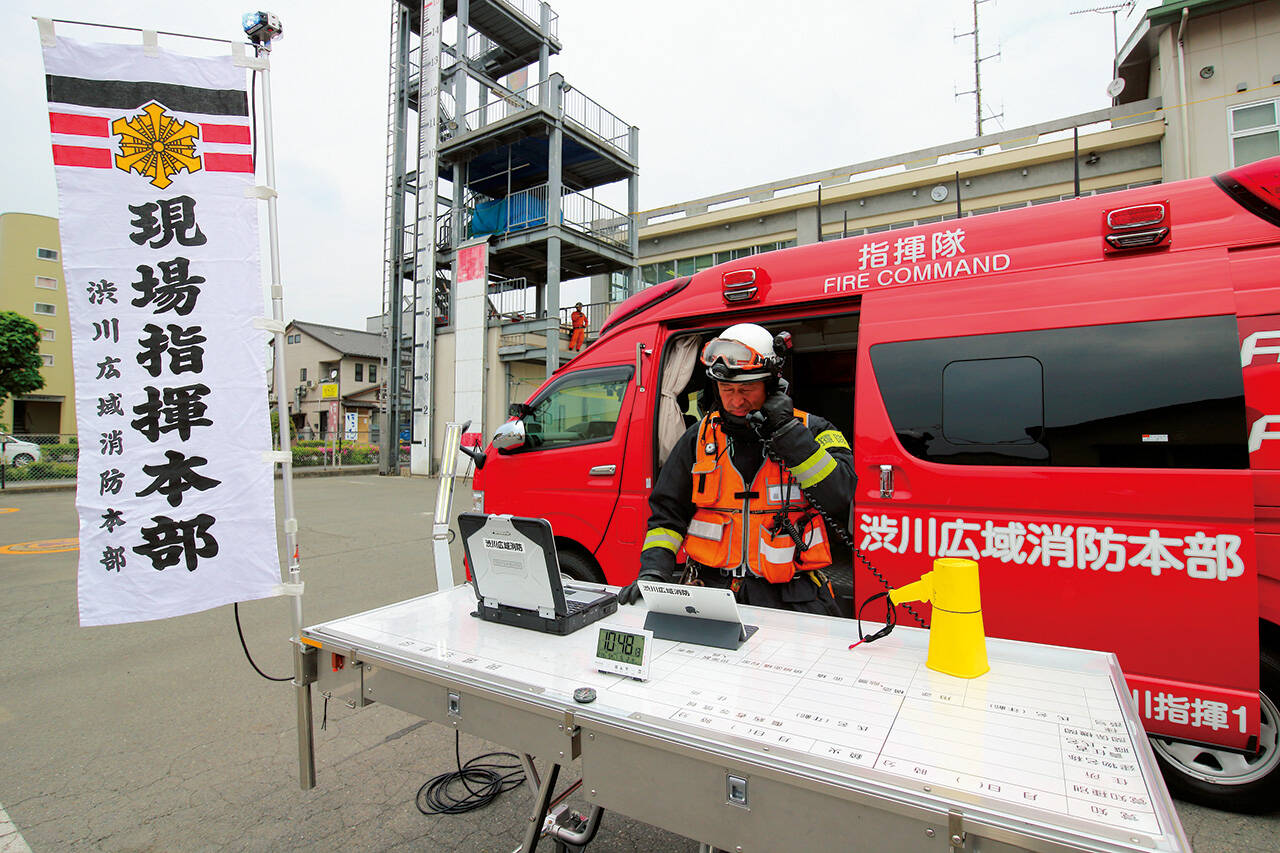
(22, 460)
(579, 567)
(1229, 780)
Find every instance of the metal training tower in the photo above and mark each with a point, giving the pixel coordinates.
(498, 161)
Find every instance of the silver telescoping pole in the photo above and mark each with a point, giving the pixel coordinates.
(440, 534)
(306, 755)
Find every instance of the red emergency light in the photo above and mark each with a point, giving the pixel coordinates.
(1139, 226)
(739, 286)
(1256, 186)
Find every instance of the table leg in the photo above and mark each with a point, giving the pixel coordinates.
(539, 813)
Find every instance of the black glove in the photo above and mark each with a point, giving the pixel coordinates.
(630, 594)
(779, 414)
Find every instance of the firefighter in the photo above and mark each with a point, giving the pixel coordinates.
(579, 321)
(730, 492)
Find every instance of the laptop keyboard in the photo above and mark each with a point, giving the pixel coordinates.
(575, 607)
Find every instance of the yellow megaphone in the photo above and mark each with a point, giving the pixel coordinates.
(957, 642)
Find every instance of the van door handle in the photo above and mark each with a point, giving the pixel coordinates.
(886, 482)
(602, 470)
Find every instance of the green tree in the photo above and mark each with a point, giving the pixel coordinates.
(275, 428)
(19, 356)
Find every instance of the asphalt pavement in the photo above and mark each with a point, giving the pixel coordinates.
(159, 736)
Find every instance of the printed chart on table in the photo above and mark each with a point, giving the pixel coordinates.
(1031, 735)
(1039, 737)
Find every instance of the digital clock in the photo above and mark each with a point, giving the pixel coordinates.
(624, 651)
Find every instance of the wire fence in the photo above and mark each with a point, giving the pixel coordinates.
(30, 459)
(34, 458)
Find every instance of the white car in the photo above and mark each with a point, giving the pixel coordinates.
(17, 452)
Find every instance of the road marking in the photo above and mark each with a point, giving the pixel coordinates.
(41, 546)
(11, 841)
(5, 510)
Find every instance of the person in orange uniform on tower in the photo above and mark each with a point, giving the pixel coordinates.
(730, 492)
(579, 321)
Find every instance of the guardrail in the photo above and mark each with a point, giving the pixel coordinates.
(528, 209)
(585, 112)
(597, 313)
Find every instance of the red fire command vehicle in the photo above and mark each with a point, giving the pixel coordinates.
(1082, 396)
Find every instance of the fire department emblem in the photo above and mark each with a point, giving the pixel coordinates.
(156, 145)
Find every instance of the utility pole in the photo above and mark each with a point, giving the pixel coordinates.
(978, 59)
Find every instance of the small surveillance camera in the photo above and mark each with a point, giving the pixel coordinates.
(262, 27)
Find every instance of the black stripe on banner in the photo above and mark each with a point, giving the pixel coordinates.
(119, 94)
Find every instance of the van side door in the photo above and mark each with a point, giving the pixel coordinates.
(1080, 432)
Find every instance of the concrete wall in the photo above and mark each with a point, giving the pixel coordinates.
(1243, 47)
(20, 235)
(1124, 155)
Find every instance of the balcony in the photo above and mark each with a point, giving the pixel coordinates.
(527, 209)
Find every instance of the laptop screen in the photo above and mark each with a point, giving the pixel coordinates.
(513, 561)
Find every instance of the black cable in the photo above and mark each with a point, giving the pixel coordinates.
(245, 646)
(832, 524)
(438, 797)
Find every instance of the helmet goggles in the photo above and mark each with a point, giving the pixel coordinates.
(734, 355)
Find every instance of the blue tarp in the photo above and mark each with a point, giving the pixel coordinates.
(496, 217)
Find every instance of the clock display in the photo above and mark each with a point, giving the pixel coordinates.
(620, 646)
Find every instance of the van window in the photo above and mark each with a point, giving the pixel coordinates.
(1162, 394)
(582, 407)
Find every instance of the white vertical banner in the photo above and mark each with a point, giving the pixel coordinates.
(153, 156)
(471, 298)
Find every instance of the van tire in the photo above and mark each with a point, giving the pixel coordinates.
(578, 567)
(1228, 780)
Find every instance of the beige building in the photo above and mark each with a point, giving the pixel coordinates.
(1215, 65)
(32, 284)
(333, 378)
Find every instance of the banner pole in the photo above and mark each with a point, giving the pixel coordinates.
(306, 754)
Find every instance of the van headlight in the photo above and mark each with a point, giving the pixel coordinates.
(477, 501)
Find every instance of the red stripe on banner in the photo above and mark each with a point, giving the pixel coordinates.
(75, 155)
(228, 162)
(79, 125)
(225, 133)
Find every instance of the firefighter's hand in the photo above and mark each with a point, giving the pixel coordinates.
(630, 594)
(779, 413)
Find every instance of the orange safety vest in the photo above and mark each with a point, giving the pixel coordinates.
(731, 524)
(579, 320)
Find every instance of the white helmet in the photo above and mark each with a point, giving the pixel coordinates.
(742, 353)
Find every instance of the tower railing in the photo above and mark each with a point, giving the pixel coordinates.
(583, 111)
(527, 209)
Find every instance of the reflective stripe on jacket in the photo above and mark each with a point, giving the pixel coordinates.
(735, 526)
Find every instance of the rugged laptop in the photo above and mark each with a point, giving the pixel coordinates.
(516, 576)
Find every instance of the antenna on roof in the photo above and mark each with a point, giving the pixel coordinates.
(1114, 9)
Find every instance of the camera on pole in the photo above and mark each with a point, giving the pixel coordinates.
(262, 27)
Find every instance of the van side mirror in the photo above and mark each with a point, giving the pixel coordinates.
(509, 436)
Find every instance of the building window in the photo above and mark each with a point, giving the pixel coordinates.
(45, 308)
(302, 374)
(1062, 397)
(47, 254)
(48, 335)
(47, 283)
(1255, 133)
(47, 359)
(373, 373)
(359, 372)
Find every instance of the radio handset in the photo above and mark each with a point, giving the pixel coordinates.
(756, 419)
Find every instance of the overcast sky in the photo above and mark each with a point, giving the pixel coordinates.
(726, 93)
